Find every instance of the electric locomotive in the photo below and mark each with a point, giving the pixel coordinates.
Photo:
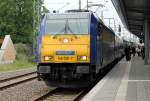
(73, 48)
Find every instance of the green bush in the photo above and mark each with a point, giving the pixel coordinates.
(23, 52)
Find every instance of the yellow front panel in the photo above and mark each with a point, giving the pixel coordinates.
(80, 44)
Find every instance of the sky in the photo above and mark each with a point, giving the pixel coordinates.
(62, 5)
(109, 15)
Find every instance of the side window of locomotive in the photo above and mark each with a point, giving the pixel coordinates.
(100, 28)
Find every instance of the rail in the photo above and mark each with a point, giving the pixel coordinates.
(14, 81)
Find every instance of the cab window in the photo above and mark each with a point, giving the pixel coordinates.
(67, 26)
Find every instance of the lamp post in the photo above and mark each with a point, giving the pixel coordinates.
(87, 4)
(79, 4)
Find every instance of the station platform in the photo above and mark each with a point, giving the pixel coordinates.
(127, 81)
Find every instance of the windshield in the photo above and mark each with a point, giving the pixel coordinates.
(67, 26)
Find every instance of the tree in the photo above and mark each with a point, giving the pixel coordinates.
(7, 15)
(16, 18)
(20, 19)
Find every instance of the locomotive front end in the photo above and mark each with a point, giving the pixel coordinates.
(65, 47)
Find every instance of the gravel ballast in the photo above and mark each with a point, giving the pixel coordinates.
(15, 73)
(24, 92)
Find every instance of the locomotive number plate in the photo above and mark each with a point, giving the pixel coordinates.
(65, 58)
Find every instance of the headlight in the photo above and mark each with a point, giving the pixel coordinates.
(82, 58)
(66, 40)
(48, 58)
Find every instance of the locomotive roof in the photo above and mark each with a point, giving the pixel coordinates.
(67, 15)
(72, 15)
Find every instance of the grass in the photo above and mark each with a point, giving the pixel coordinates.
(17, 65)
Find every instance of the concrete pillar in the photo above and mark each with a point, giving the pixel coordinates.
(147, 41)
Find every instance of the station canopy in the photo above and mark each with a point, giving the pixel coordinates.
(133, 14)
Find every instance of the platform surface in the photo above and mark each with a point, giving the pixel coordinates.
(127, 81)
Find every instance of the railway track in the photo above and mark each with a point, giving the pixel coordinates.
(13, 81)
(62, 94)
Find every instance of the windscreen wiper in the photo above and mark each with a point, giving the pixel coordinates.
(66, 30)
